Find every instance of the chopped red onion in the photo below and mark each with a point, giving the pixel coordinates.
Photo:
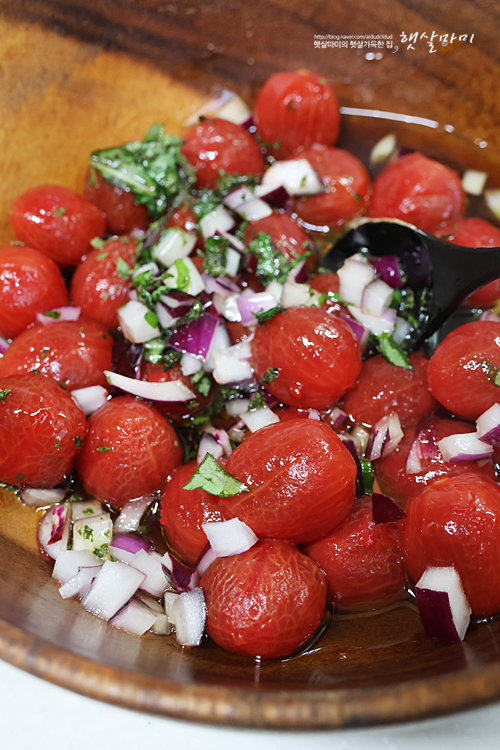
(351, 447)
(145, 269)
(131, 515)
(464, 447)
(254, 209)
(238, 432)
(113, 586)
(220, 285)
(376, 324)
(386, 436)
(443, 607)
(196, 336)
(208, 444)
(234, 241)
(132, 317)
(249, 305)
(414, 458)
(169, 391)
(175, 299)
(222, 438)
(80, 583)
(313, 414)
(59, 517)
(135, 618)
(220, 341)
(90, 399)
(126, 359)
(361, 438)
(423, 446)
(4, 344)
(276, 197)
(130, 543)
(206, 560)
(150, 563)
(490, 315)
(488, 426)
(337, 416)
(389, 270)
(401, 330)
(295, 175)
(359, 330)
(229, 537)
(58, 315)
(377, 297)
(354, 277)
(165, 317)
(182, 577)
(213, 106)
(385, 510)
(238, 197)
(232, 365)
(69, 562)
(189, 615)
(298, 273)
(36, 498)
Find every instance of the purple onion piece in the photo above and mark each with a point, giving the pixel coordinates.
(385, 510)
(492, 437)
(196, 336)
(4, 345)
(58, 523)
(359, 330)
(176, 299)
(389, 270)
(435, 613)
(351, 447)
(248, 123)
(130, 543)
(126, 358)
(276, 197)
(183, 577)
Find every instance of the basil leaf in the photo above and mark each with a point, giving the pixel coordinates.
(212, 478)
(367, 476)
(256, 402)
(270, 375)
(393, 352)
(265, 315)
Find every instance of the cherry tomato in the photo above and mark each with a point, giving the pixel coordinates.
(346, 187)
(456, 522)
(290, 413)
(130, 450)
(418, 190)
(383, 388)
(316, 355)
(118, 205)
(457, 373)
(391, 471)
(295, 110)
(324, 283)
(98, 287)
(183, 511)
(219, 145)
(75, 353)
(181, 410)
(302, 480)
(475, 233)
(29, 283)
(41, 428)
(267, 601)
(57, 221)
(362, 561)
(287, 236)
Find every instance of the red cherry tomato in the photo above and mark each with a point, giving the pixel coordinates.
(302, 480)
(40, 430)
(296, 110)
(118, 205)
(346, 187)
(182, 410)
(397, 483)
(457, 375)
(324, 283)
(287, 236)
(362, 561)
(219, 145)
(97, 286)
(265, 602)
(383, 388)
(456, 522)
(316, 354)
(418, 190)
(29, 283)
(182, 513)
(75, 353)
(57, 221)
(475, 233)
(130, 450)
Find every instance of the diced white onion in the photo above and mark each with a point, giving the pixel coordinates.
(275, 289)
(135, 618)
(237, 406)
(91, 398)
(231, 365)
(163, 315)
(189, 614)
(174, 244)
(229, 537)
(114, 585)
(238, 197)
(85, 508)
(132, 320)
(208, 444)
(93, 532)
(190, 364)
(70, 561)
(175, 277)
(259, 418)
(217, 221)
(377, 325)
(155, 582)
(295, 175)
(220, 341)
(233, 259)
(377, 297)
(383, 149)
(80, 583)
(294, 294)
(354, 276)
(145, 268)
(387, 434)
(473, 182)
(173, 390)
(492, 198)
(463, 447)
(401, 330)
(488, 425)
(235, 110)
(36, 498)
(254, 210)
(57, 518)
(130, 516)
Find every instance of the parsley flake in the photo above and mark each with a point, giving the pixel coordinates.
(59, 212)
(4, 392)
(103, 448)
(270, 375)
(55, 314)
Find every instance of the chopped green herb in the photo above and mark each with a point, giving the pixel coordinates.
(59, 212)
(193, 313)
(256, 402)
(153, 350)
(78, 441)
(103, 448)
(215, 255)
(265, 315)
(153, 169)
(58, 445)
(206, 202)
(215, 480)
(367, 476)
(87, 532)
(142, 529)
(329, 297)
(44, 351)
(152, 319)
(202, 382)
(170, 358)
(52, 314)
(393, 352)
(270, 375)
(19, 477)
(17, 242)
(101, 551)
(123, 269)
(491, 370)
(97, 242)
(4, 392)
(10, 488)
(88, 511)
(228, 182)
(271, 264)
(290, 105)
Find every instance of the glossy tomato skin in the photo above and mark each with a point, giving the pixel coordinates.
(219, 145)
(346, 188)
(75, 353)
(122, 213)
(324, 283)
(418, 190)
(267, 601)
(475, 233)
(456, 522)
(287, 236)
(58, 222)
(296, 110)
(97, 287)
(29, 283)
(316, 354)
(383, 388)
(40, 429)
(397, 483)
(302, 480)
(182, 513)
(362, 561)
(130, 450)
(456, 375)
(176, 411)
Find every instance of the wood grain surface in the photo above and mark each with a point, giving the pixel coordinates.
(85, 74)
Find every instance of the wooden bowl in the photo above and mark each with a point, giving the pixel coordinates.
(74, 77)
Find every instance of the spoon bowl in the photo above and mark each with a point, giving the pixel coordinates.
(441, 275)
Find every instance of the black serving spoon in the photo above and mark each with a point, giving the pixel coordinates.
(440, 274)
